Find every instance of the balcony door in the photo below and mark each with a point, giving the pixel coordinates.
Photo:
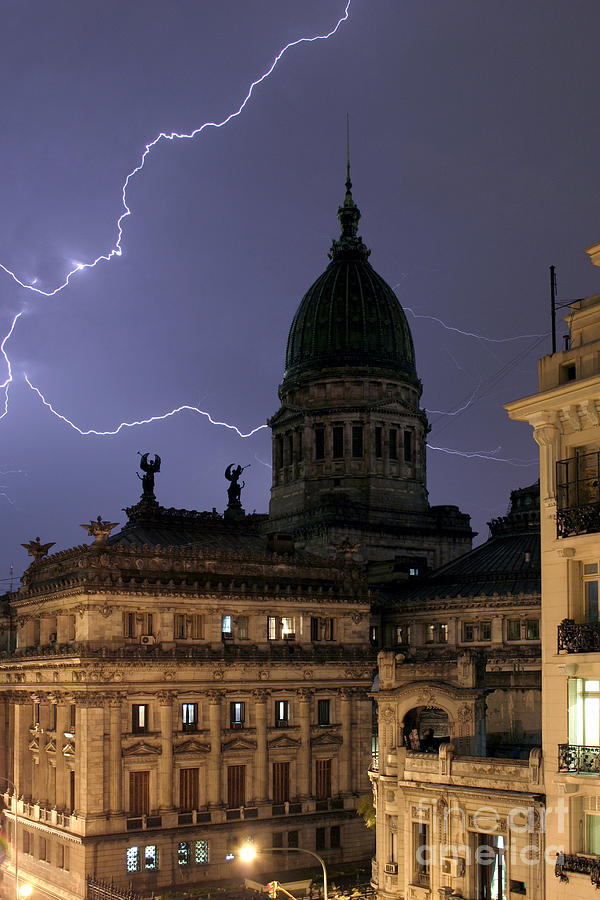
(491, 867)
(584, 712)
(590, 591)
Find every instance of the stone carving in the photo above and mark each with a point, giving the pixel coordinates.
(465, 713)
(37, 549)
(98, 529)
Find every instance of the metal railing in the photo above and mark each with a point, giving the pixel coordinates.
(578, 760)
(578, 494)
(102, 890)
(583, 638)
(581, 865)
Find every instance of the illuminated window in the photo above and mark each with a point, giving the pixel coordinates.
(139, 718)
(584, 712)
(282, 713)
(201, 854)
(288, 629)
(189, 716)
(430, 634)
(184, 854)
(133, 859)
(242, 628)
(226, 626)
(443, 634)
(179, 628)
(592, 835)
(237, 712)
(151, 857)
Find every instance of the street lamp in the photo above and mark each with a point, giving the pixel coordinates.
(24, 890)
(248, 852)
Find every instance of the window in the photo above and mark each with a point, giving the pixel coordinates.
(151, 857)
(300, 451)
(277, 839)
(421, 852)
(378, 442)
(592, 835)
(513, 630)
(25, 838)
(272, 629)
(35, 632)
(485, 631)
(532, 629)
(188, 789)
(201, 853)
(283, 628)
(290, 448)
(189, 716)
(468, 631)
(491, 868)
(357, 441)
(319, 442)
(133, 859)
(52, 717)
(443, 633)
(393, 443)
(226, 627)
(321, 629)
(323, 712)
(72, 717)
(590, 590)
(42, 848)
(36, 714)
(197, 626)
(139, 718)
(584, 712)
(71, 790)
(184, 853)
(338, 441)
(278, 452)
(288, 629)
(236, 786)
(282, 713)
(179, 627)
(292, 838)
(237, 713)
(335, 837)
(408, 446)
(242, 628)
(71, 628)
(374, 635)
(430, 634)
(129, 627)
(323, 779)
(320, 843)
(139, 793)
(281, 782)
(65, 857)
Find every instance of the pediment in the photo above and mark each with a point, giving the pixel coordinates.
(34, 744)
(50, 746)
(322, 739)
(283, 743)
(191, 746)
(238, 744)
(142, 749)
(69, 749)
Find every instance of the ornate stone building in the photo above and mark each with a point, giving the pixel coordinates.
(459, 704)
(565, 416)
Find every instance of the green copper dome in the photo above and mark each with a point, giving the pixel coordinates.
(350, 317)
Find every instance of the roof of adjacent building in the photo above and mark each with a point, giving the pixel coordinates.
(350, 317)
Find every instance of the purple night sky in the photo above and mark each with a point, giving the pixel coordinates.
(475, 140)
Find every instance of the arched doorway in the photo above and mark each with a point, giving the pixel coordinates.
(424, 728)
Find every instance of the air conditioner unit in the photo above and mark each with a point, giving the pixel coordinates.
(52, 637)
(454, 866)
(391, 868)
(147, 639)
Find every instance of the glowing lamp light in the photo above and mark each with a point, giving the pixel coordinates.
(25, 890)
(247, 853)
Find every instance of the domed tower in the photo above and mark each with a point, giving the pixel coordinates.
(349, 456)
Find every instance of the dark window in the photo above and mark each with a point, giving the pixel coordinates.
(323, 779)
(485, 631)
(421, 852)
(393, 443)
(513, 630)
(71, 791)
(277, 839)
(139, 718)
(72, 718)
(533, 630)
(282, 713)
(320, 839)
(130, 625)
(281, 782)
(357, 440)
(290, 448)
(242, 628)
(189, 716)
(53, 717)
(139, 793)
(374, 635)
(379, 442)
(188, 789)
(323, 712)
(237, 712)
(468, 631)
(314, 629)
(236, 786)
(321, 629)
(338, 441)
(408, 446)
(292, 838)
(278, 452)
(300, 448)
(319, 442)
(179, 629)
(335, 837)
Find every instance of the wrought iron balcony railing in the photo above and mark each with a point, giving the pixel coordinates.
(583, 638)
(582, 865)
(578, 760)
(578, 494)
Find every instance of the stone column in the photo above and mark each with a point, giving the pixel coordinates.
(165, 760)
(22, 756)
(89, 754)
(115, 803)
(262, 755)
(345, 758)
(214, 760)
(303, 762)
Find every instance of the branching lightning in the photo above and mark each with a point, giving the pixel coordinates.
(9, 377)
(117, 248)
(459, 409)
(487, 454)
(158, 418)
(473, 334)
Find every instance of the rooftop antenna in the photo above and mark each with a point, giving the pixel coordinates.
(12, 575)
(348, 182)
(553, 305)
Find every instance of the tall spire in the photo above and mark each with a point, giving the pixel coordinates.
(349, 244)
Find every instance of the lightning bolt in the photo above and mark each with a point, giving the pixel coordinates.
(5, 384)
(487, 454)
(473, 334)
(117, 249)
(158, 418)
(459, 409)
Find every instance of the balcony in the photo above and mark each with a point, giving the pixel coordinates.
(578, 760)
(584, 638)
(580, 865)
(578, 494)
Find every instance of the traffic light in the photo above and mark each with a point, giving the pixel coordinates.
(272, 889)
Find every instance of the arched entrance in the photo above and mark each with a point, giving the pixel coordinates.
(424, 728)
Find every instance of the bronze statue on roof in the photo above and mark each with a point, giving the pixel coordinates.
(149, 468)
(37, 549)
(234, 491)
